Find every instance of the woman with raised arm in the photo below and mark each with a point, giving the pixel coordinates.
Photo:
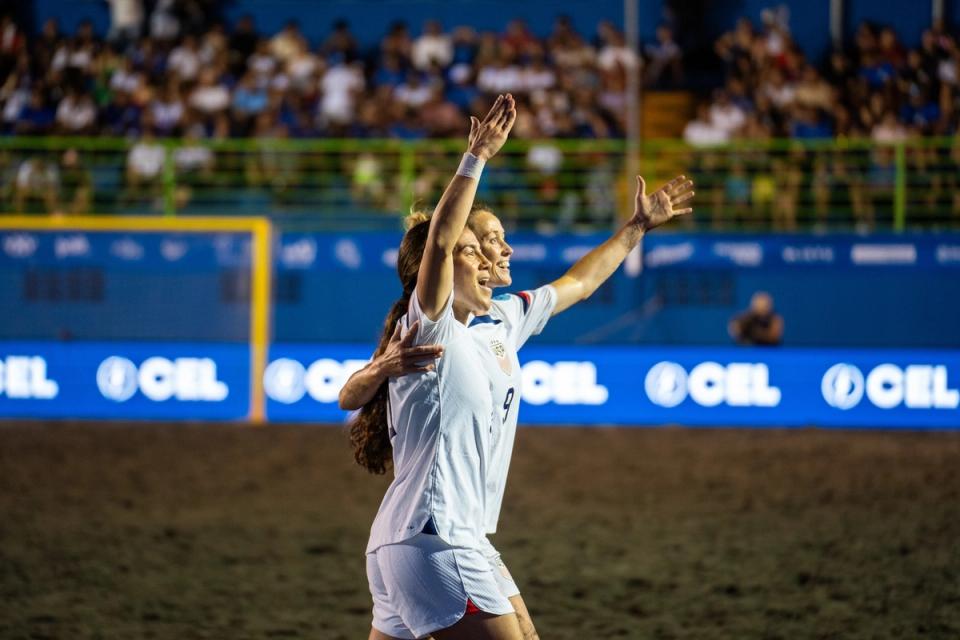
(512, 319)
(425, 568)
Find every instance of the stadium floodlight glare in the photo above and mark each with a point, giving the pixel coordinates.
(73, 238)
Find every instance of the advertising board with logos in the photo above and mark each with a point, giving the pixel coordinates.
(697, 386)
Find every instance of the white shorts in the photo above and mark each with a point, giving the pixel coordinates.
(422, 585)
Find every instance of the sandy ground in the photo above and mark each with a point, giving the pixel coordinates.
(162, 531)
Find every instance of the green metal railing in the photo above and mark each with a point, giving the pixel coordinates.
(776, 185)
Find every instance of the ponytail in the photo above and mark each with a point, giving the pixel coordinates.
(369, 433)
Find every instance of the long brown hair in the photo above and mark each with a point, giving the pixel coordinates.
(368, 430)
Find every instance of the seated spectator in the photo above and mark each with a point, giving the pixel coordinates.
(341, 43)
(76, 114)
(813, 91)
(76, 185)
(664, 55)
(242, 44)
(38, 117)
(397, 41)
(303, 68)
(145, 165)
(500, 74)
(389, 73)
(210, 99)
(759, 325)
(262, 63)
(342, 83)
(725, 115)
(167, 111)
(185, 60)
(286, 44)
(434, 47)
(127, 79)
(37, 179)
(440, 117)
(126, 21)
(889, 130)
(121, 116)
(193, 163)
(808, 125)
(614, 52)
(249, 101)
(414, 92)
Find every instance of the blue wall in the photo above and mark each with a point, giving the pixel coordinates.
(833, 290)
(369, 19)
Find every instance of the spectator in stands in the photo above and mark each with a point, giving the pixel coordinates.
(121, 116)
(145, 165)
(12, 42)
(126, 21)
(37, 179)
(614, 52)
(397, 41)
(288, 42)
(341, 44)
(164, 23)
(249, 101)
(167, 111)
(414, 92)
(760, 325)
(185, 60)
(210, 100)
(242, 44)
(38, 117)
(702, 131)
(433, 47)
(76, 185)
(664, 56)
(341, 84)
(193, 163)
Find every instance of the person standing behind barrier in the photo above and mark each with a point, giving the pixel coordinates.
(758, 325)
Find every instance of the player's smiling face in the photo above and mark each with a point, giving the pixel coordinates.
(471, 276)
(493, 242)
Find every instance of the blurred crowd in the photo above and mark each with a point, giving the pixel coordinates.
(178, 72)
(879, 89)
(167, 73)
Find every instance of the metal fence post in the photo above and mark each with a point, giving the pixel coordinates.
(407, 175)
(900, 189)
(169, 181)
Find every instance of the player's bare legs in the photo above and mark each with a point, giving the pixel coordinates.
(523, 617)
(482, 626)
(379, 635)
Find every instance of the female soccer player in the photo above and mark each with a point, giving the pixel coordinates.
(510, 322)
(424, 564)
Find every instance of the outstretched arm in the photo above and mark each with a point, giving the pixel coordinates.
(397, 359)
(593, 269)
(435, 278)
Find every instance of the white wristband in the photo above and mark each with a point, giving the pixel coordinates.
(471, 166)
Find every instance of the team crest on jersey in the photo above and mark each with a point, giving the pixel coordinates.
(498, 349)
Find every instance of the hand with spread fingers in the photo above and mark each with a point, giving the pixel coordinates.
(399, 358)
(488, 136)
(662, 205)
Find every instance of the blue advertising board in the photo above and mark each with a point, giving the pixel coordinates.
(142, 380)
(699, 386)
(907, 389)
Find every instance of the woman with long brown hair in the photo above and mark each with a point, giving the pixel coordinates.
(424, 566)
(511, 320)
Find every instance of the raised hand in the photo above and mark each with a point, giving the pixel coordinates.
(488, 136)
(399, 358)
(662, 205)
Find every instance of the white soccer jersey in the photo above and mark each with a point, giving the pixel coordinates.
(440, 428)
(513, 318)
